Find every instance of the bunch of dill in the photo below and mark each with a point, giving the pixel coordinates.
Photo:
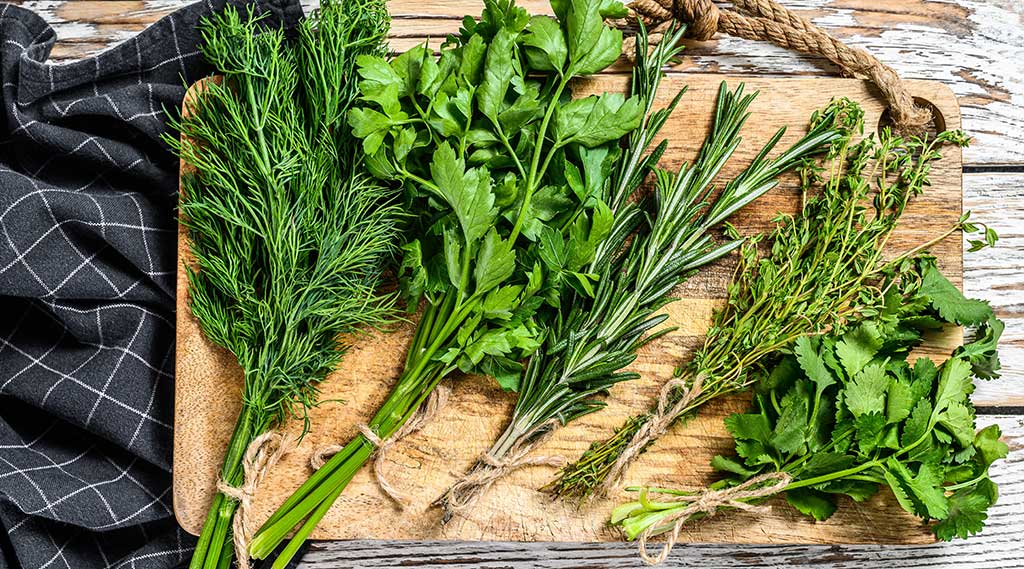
(289, 235)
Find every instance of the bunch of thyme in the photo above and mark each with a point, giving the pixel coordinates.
(290, 236)
(822, 268)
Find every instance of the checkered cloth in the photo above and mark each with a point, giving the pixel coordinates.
(87, 273)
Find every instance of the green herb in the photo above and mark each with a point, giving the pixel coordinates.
(655, 243)
(289, 234)
(847, 414)
(821, 269)
(495, 158)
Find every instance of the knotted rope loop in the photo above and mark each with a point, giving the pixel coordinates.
(709, 502)
(767, 20)
(260, 457)
(489, 469)
(658, 424)
(430, 408)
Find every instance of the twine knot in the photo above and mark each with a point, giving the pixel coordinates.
(767, 20)
(430, 408)
(708, 503)
(489, 469)
(260, 457)
(675, 398)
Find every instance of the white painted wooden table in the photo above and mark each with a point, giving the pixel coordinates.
(974, 46)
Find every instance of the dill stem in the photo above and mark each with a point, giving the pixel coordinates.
(217, 526)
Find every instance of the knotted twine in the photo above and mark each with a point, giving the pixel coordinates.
(708, 502)
(260, 456)
(657, 425)
(430, 408)
(489, 469)
(767, 20)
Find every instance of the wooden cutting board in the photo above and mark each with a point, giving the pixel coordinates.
(426, 463)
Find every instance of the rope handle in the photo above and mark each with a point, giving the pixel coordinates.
(767, 20)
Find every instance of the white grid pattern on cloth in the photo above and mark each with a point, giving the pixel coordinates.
(87, 269)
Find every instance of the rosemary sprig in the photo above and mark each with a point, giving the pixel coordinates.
(289, 234)
(594, 336)
(824, 267)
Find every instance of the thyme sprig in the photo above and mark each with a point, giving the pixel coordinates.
(289, 234)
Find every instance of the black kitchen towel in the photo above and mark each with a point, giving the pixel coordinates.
(87, 273)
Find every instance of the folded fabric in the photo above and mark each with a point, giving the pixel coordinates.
(87, 275)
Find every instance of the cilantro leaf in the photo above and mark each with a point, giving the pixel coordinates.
(958, 420)
(748, 426)
(727, 464)
(789, 434)
(982, 351)
(990, 448)
(916, 425)
(954, 384)
(950, 302)
(858, 347)
(498, 73)
(818, 505)
(967, 507)
(900, 401)
(812, 364)
(866, 393)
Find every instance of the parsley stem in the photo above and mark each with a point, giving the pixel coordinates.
(531, 180)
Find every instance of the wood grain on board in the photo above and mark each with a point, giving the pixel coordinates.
(426, 463)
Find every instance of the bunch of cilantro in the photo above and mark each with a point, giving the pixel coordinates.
(849, 414)
(498, 163)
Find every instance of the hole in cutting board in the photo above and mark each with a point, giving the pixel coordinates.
(937, 124)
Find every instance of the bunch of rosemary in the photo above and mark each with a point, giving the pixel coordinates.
(656, 242)
(290, 236)
(823, 268)
(848, 414)
(495, 158)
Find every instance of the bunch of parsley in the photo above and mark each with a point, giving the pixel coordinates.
(848, 414)
(497, 162)
(290, 234)
(821, 269)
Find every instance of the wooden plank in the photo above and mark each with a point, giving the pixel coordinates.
(429, 460)
(997, 547)
(997, 275)
(974, 46)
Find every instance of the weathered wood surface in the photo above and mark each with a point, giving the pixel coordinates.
(1000, 546)
(974, 46)
(426, 463)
